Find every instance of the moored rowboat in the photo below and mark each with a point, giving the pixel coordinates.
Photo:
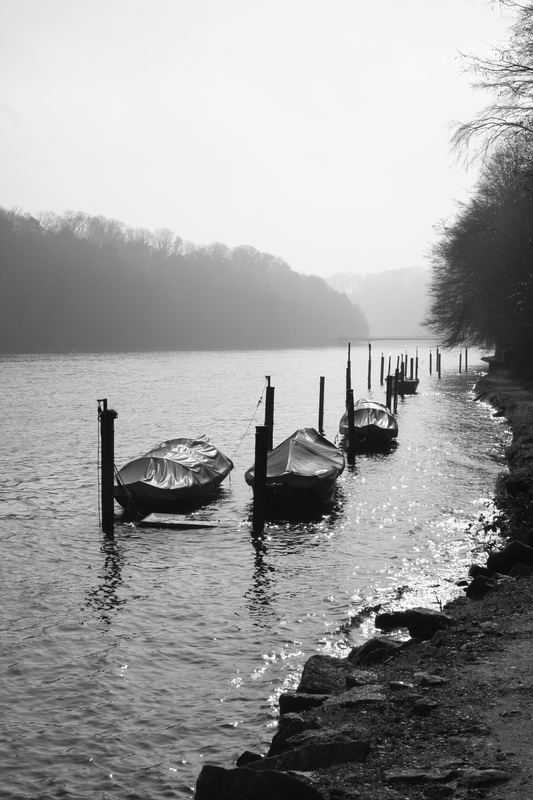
(301, 473)
(173, 474)
(375, 426)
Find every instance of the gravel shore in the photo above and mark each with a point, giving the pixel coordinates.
(447, 714)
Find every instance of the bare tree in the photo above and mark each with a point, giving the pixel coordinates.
(509, 74)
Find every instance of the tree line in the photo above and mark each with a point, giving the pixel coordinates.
(79, 282)
(482, 285)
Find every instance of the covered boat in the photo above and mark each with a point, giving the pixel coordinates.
(374, 426)
(175, 473)
(301, 473)
(408, 386)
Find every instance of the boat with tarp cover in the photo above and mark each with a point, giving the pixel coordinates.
(172, 475)
(301, 473)
(408, 386)
(375, 426)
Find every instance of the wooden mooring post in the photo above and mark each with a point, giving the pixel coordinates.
(321, 406)
(107, 417)
(466, 359)
(396, 382)
(416, 363)
(389, 391)
(369, 374)
(351, 427)
(348, 373)
(269, 414)
(460, 362)
(382, 370)
(430, 362)
(260, 474)
(439, 363)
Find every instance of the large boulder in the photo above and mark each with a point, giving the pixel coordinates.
(479, 587)
(217, 783)
(289, 726)
(371, 696)
(299, 701)
(375, 651)
(504, 560)
(389, 620)
(424, 622)
(346, 734)
(313, 756)
(323, 674)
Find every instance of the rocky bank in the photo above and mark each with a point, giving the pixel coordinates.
(447, 713)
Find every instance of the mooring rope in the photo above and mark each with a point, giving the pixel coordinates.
(250, 421)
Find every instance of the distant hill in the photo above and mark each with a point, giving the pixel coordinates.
(394, 302)
(77, 282)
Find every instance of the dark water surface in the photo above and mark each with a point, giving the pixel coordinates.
(129, 662)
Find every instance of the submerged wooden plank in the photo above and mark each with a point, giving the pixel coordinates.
(173, 522)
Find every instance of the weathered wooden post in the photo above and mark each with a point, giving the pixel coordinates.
(351, 427)
(402, 378)
(430, 362)
(388, 392)
(260, 474)
(460, 362)
(412, 368)
(269, 413)
(416, 363)
(382, 370)
(321, 406)
(107, 417)
(396, 381)
(438, 363)
(369, 376)
(466, 359)
(348, 373)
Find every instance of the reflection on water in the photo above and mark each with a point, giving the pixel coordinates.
(132, 660)
(258, 596)
(104, 599)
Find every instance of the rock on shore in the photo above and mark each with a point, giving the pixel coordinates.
(447, 713)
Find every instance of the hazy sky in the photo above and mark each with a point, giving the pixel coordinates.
(317, 130)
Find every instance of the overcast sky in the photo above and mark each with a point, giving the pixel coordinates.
(316, 130)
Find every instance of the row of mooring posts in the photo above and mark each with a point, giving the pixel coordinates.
(265, 433)
(410, 366)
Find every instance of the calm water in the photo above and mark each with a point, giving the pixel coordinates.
(127, 663)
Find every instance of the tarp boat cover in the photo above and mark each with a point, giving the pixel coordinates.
(374, 424)
(303, 467)
(174, 471)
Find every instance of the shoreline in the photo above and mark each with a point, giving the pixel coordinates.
(447, 713)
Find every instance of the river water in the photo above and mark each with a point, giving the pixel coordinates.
(128, 662)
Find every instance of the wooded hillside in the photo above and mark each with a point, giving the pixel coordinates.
(76, 282)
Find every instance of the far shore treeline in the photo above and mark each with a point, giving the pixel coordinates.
(79, 282)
